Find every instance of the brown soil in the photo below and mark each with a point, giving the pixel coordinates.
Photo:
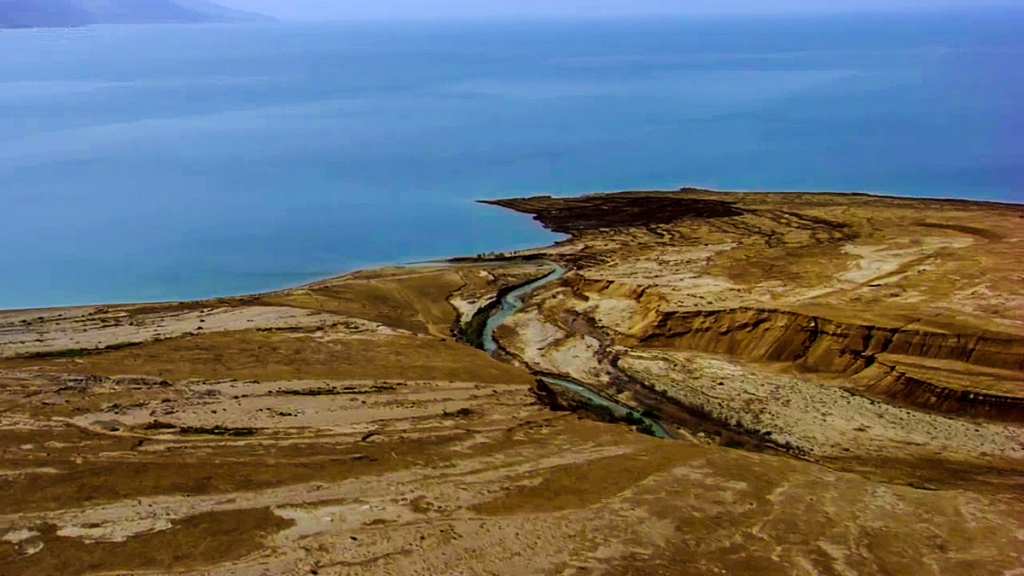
(204, 470)
(288, 356)
(198, 540)
(410, 301)
(558, 490)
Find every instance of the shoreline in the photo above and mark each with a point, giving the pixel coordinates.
(515, 255)
(455, 260)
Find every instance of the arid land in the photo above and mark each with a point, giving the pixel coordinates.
(843, 374)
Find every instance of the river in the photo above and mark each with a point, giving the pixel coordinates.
(511, 303)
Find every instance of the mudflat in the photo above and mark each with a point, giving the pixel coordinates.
(844, 376)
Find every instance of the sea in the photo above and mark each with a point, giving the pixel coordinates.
(147, 163)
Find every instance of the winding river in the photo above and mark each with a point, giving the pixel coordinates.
(512, 302)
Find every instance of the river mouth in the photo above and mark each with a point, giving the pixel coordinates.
(509, 304)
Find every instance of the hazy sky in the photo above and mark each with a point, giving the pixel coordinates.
(346, 9)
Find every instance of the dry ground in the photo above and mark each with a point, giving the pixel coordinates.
(340, 428)
(875, 334)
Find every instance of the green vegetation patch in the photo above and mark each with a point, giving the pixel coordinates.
(472, 332)
(640, 423)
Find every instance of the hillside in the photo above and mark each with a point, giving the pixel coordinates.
(223, 13)
(44, 14)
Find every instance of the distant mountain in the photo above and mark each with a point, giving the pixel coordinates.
(48, 13)
(68, 13)
(224, 13)
(140, 11)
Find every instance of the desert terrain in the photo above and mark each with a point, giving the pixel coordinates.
(842, 377)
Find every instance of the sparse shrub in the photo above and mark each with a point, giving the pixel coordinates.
(633, 419)
(218, 430)
(647, 428)
(317, 391)
(603, 413)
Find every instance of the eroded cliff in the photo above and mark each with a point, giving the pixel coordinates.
(917, 303)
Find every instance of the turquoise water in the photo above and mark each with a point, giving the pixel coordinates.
(620, 410)
(148, 163)
(512, 302)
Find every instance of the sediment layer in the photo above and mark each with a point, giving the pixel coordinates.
(900, 388)
(847, 285)
(822, 345)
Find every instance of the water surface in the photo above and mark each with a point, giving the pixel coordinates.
(167, 162)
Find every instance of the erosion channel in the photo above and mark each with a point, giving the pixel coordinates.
(512, 302)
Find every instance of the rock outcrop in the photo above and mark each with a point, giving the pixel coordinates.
(899, 388)
(822, 345)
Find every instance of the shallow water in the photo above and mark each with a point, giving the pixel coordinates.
(512, 302)
(618, 409)
(168, 162)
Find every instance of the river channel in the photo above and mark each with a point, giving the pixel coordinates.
(511, 303)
